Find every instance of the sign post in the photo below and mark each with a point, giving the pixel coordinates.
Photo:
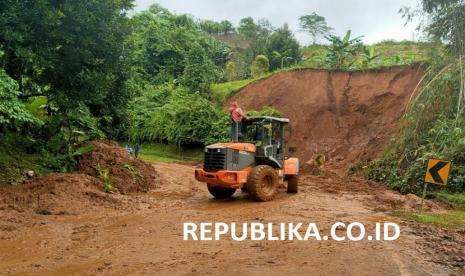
(437, 172)
(425, 187)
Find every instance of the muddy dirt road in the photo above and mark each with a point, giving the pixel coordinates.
(146, 236)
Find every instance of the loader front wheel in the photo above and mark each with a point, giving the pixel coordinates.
(263, 183)
(220, 192)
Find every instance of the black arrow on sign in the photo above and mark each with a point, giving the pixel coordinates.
(434, 171)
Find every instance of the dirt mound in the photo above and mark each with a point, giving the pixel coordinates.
(128, 174)
(76, 193)
(391, 200)
(376, 195)
(346, 116)
(54, 193)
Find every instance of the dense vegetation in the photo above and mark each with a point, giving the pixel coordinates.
(434, 124)
(72, 71)
(62, 76)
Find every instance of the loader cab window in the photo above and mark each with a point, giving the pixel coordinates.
(258, 133)
(267, 137)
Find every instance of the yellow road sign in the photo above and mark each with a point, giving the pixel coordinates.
(437, 171)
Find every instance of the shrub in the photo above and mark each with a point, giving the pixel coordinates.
(230, 71)
(173, 115)
(12, 110)
(266, 111)
(260, 66)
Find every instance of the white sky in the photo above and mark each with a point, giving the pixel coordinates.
(376, 20)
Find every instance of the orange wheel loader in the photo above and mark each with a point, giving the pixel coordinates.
(256, 164)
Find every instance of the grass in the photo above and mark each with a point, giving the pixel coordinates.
(169, 153)
(452, 219)
(457, 199)
(221, 91)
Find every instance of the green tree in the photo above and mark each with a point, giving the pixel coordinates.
(215, 28)
(445, 21)
(199, 71)
(159, 10)
(283, 43)
(226, 27)
(248, 28)
(211, 27)
(257, 35)
(161, 42)
(80, 58)
(315, 25)
(230, 71)
(260, 66)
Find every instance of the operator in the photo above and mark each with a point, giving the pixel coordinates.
(237, 116)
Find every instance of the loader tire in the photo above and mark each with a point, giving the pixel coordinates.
(220, 192)
(263, 183)
(292, 184)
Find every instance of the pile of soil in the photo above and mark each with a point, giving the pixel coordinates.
(55, 193)
(79, 192)
(381, 197)
(128, 174)
(347, 116)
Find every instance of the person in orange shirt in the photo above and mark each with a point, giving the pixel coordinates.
(237, 116)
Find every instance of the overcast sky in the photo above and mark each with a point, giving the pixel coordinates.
(376, 20)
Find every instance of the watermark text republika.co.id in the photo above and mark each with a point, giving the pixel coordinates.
(257, 231)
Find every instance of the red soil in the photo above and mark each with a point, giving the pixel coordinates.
(80, 192)
(347, 116)
(128, 174)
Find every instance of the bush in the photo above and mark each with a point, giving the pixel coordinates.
(173, 115)
(260, 66)
(12, 110)
(230, 71)
(266, 111)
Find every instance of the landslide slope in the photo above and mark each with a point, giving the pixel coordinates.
(347, 116)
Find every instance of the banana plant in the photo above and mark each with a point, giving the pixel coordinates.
(368, 56)
(282, 57)
(342, 51)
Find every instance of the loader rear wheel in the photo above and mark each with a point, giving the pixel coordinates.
(220, 192)
(263, 183)
(292, 182)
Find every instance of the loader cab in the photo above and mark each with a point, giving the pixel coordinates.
(267, 133)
